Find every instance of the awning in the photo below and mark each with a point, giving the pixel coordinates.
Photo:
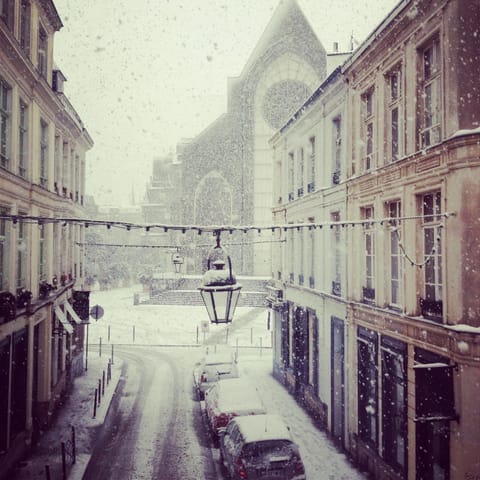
(63, 320)
(73, 313)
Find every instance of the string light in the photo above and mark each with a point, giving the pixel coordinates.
(408, 257)
(211, 229)
(133, 245)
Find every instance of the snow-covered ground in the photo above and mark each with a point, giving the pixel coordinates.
(125, 323)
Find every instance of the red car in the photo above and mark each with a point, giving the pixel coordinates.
(230, 398)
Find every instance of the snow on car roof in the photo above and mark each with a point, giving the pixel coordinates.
(257, 428)
(238, 395)
(216, 358)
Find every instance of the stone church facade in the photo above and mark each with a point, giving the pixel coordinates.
(227, 168)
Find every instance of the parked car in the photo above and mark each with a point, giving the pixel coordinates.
(214, 367)
(260, 447)
(230, 398)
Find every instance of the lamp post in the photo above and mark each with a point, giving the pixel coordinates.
(177, 260)
(220, 290)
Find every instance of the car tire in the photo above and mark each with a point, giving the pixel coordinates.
(223, 468)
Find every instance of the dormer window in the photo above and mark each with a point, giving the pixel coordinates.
(42, 51)
(6, 12)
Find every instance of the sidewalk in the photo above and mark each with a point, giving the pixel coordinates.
(77, 412)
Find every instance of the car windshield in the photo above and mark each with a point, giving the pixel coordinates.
(270, 450)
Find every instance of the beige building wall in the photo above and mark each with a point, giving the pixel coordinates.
(37, 186)
(408, 192)
(438, 154)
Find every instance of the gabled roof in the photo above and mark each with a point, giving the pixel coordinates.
(286, 9)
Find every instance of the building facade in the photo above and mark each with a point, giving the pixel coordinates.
(396, 334)
(42, 177)
(227, 168)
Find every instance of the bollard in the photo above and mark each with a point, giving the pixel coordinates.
(108, 333)
(99, 391)
(133, 333)
(197, 334)
(109, 372)
(103, 383)
(112, 353)
(95, 405)
(74, 446)
(64, 463)
(47, 472)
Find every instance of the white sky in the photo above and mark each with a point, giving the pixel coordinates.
(144, 74)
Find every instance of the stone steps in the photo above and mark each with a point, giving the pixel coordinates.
(193, 298)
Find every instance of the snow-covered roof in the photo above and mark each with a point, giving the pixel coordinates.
(257, 428)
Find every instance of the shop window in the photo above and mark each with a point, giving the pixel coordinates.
(367, 401)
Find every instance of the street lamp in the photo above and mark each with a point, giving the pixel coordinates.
(177, 260)
(219, 290)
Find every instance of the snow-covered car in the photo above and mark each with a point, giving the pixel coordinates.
(230, 398)
(214, 367)
(260, 447)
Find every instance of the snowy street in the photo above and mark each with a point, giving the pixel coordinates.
(150, 423)
(154, 427)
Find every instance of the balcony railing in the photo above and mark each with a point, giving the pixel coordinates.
(336, 289)
(291, 277)
(290, 197)
(432, 309)
(300, 192)
(300, 279)
(368, 294)
(311, 282)
(311, 187)
(336, 177)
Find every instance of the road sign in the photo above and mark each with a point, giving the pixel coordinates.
(96, 312)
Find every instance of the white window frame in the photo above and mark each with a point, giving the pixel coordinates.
(300, 172)
(42, 51)
(42, 253)
(43, 164)
(4, 246)
(395, 107)
(336, 250)
(432, 238)
(368, 107)
(25, 25)
(396, 260)
(5, 123)
(337, 145)
(21, 266)
(290, 174)
(369, 248)
(23, 112)
(313, 146)
(431, 132)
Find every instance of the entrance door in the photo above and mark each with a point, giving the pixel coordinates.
(338, 380)
(300, 351)
(434, 409)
